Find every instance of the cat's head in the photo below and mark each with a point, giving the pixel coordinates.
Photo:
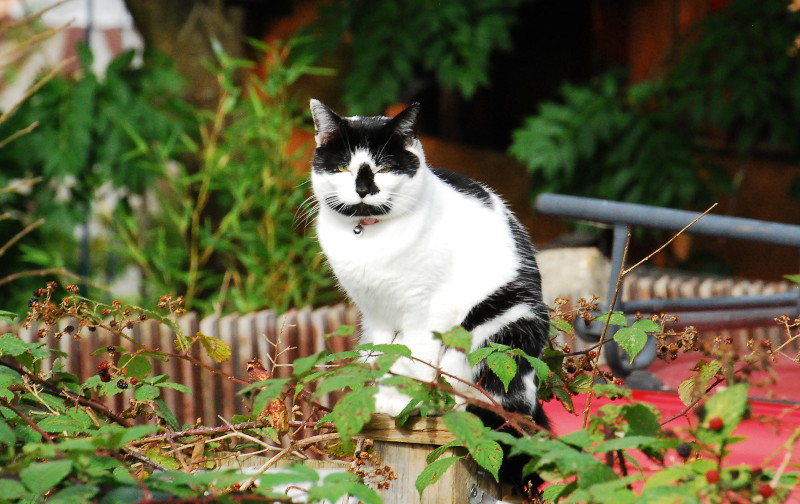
(366, 166)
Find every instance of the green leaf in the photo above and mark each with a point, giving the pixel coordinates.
(12, 345)
(218, 350)
(138, 366)
(479, 354)
(488, 454)
(165, 413)
(730, 405)
(563, 325)
(694, 387)
(342, 330)
(11, 489)
(77, 494)
(793, 278)
(60, 423)
(271, 390)
(613, 318)
(337, 485)
(7, 434)
(146, 392)
(632, 340)
(304, 364)
(457, 337)
(642, 420)
(647, 325)
(353, 411)
(539, 366)
(623, 443)
(40, 477)
(504, 366)
(432, 472)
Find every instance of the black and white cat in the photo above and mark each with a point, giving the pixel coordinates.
(421, 249)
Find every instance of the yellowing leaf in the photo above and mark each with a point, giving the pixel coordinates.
(217, 349)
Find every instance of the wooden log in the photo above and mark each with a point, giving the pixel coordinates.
(405, 449)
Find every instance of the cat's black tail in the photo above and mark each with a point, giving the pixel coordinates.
(511, 471)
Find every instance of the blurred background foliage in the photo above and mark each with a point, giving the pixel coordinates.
(184, 173)
(734, 83)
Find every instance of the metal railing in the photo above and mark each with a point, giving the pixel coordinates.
(715, 312)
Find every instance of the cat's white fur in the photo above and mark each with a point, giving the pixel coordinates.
(420, 268)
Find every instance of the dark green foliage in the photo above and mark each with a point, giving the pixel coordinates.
(207, 203)
(734, 81)
(391, 43)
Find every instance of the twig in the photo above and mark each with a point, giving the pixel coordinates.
(666, 244)
(602, 341)
(286, 451)
(17, 237)
(60, 392)
(47, 437)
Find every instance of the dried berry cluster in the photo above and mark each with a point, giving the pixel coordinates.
(367, 465)
(671, 343)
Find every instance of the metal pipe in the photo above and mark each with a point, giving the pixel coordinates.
(662, 305)
(635, 215)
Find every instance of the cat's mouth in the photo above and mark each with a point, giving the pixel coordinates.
(361, 210)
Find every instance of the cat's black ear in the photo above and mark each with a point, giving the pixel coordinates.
(406, 123)
(326, 122)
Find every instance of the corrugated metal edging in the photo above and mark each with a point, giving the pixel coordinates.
(274, 339)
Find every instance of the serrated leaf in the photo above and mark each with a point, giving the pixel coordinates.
(218, 350)
(303, 364)
(145, 392)
(613, 318)
(270, 390)
(729, 405)
(12, 489)
(563, 325)
(539, 366)
(432, 472)
(457, 337)
(76, 494)
(353, 411)
(40, 477)
(137, 366)
(694, 387)
(342, 330)
(642, 420)
(12, 345)
(623, 443)
(60, 423)
(647, 325)
(385, 349)
(632, 340)
(489, 455)
(580, 384)
(337, 485)
(479, 354)
(504, 366)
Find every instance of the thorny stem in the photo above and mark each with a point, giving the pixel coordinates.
(601, 342)
(47, 437)
(58, 391)
(622, 274)
(286, 451)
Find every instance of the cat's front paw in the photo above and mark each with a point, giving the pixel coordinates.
(389, 401)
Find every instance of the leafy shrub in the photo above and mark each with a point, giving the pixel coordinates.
(391, 43)
(59, 440)
(735, 80)
(208, 203)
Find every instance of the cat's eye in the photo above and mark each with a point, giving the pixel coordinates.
(343, 168)
(384, 170)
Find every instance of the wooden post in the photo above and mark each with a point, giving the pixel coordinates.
(405, 449)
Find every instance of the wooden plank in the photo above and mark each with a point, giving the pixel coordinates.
(431, 430)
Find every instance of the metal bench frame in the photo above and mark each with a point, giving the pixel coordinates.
(722, 312)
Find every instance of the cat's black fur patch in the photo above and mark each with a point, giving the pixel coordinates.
(463, 184)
